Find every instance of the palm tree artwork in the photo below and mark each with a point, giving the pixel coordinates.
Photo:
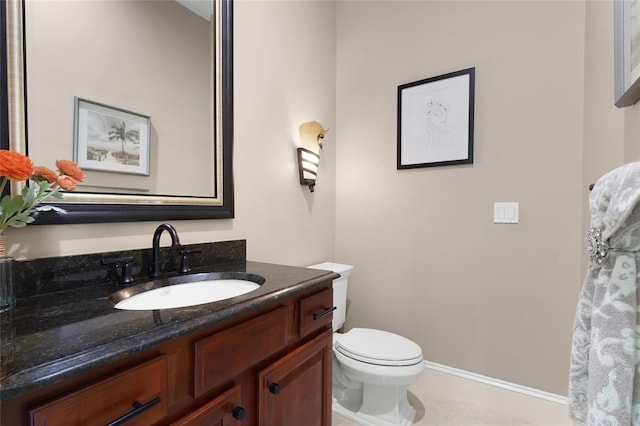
(120, 132)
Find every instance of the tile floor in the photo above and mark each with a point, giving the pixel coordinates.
(443, 399)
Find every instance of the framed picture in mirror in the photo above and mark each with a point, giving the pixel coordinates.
(110, 139)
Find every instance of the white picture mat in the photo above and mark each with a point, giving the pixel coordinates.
(435, 121)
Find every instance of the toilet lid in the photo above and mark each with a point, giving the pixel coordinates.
(378, 347)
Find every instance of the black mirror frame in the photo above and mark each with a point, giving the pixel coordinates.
(104, 213)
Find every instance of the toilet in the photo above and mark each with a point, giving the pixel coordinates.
(371, 368)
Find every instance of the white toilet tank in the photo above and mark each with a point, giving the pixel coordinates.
(339, 290)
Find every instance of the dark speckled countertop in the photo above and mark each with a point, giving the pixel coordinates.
(51, 336)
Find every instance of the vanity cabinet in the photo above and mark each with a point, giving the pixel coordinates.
(268, 366)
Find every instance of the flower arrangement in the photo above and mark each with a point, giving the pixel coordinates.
(17, 210)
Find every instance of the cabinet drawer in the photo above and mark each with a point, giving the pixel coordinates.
(226, 354)
(139, 393)
(221, 410)
(316, 311)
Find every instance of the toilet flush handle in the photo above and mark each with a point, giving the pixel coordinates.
(323, 313)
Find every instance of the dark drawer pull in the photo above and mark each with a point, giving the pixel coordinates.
(323, 313)
(137, 409)
(274, 388)
(238, 413)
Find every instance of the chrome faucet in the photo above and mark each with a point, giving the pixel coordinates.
(155, 254)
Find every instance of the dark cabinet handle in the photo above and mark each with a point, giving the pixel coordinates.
(238, 413)
(274, 388)
(138, 408)
(323, 313)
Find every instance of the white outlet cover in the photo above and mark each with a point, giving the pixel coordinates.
(506, 212)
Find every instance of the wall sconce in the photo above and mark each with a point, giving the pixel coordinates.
(308, 166)
(308, 160)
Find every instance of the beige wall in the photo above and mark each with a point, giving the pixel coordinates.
(498, 300)
(612, 135)
(429, 263)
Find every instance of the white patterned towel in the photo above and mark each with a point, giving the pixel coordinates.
(604, 379)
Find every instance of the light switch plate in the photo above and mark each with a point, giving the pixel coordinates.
(506, 212)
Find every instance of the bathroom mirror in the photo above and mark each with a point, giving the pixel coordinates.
(178, 86)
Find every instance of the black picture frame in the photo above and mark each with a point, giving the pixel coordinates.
(435, 120)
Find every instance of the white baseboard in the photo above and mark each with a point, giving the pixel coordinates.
(536, 393)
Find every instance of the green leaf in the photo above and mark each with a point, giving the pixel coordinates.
(30, 194)
(56, 194)
(25, 217)
(12, 205)
(4, 204)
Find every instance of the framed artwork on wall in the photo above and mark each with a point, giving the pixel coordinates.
(627, 52)
(435, 121)
(110, 139)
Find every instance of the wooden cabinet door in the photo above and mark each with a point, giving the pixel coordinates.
(296, 389)
(225, 410)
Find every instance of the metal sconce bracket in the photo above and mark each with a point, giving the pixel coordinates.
(308, 167)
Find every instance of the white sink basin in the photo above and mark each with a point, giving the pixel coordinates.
(200, 289)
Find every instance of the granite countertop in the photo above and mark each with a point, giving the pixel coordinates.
(50, 337)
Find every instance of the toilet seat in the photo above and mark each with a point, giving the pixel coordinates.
(378, 347)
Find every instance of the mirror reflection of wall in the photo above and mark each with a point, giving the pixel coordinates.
(150, 57)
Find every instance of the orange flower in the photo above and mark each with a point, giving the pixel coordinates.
(70, 168)
(66, 182)
(15, 166)
(41, 173)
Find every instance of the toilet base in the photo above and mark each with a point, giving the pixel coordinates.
(369, 421)
(388, 407)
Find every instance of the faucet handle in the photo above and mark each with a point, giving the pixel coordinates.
(125, 264)
(184, 263)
